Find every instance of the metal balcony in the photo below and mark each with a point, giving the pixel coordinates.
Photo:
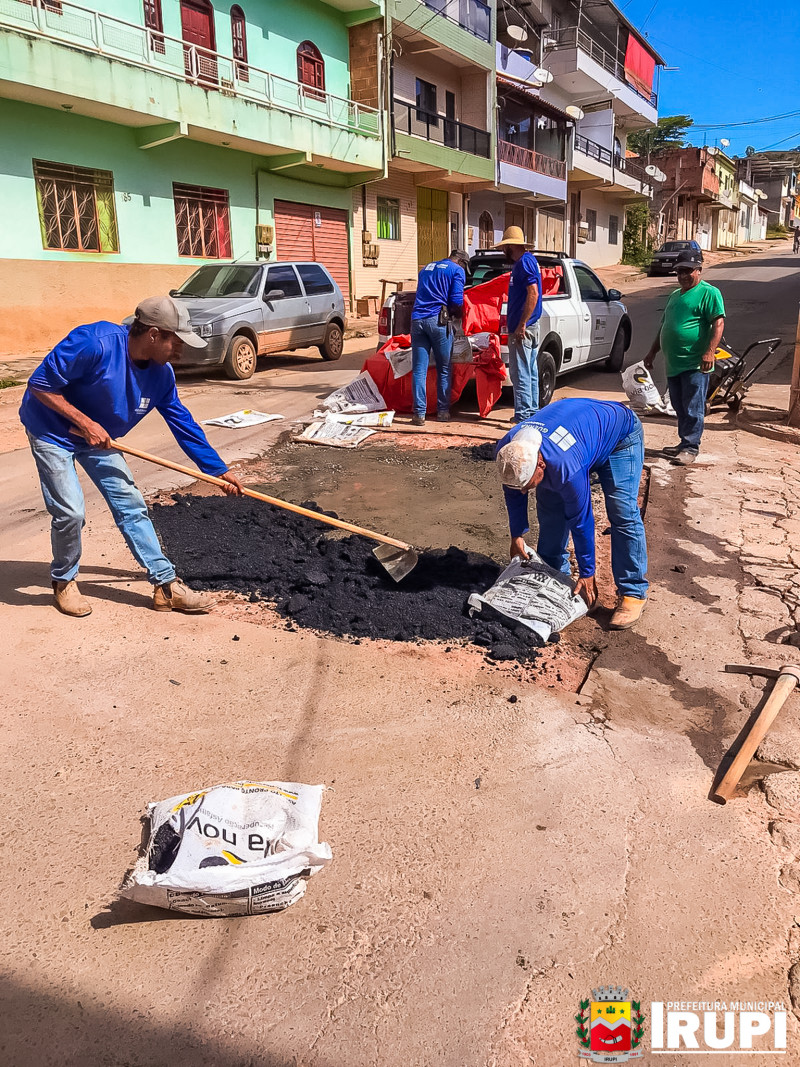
(471, 15)
(574, 37)
(439, 129)
(530, 160)
(631, 167)
(91, 31)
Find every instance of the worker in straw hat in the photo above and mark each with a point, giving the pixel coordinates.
(554, 454)
(523, 314)
(96, 384)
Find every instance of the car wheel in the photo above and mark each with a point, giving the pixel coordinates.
(240, 362)
(333, 345)
(547, 377)
(617, 356)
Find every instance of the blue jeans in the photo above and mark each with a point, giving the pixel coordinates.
(428, 336)
(687, 392)
(620, 476)
(63, 498)
(524, 373)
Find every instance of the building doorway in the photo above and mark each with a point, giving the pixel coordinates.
(197, 30)
(432, 225)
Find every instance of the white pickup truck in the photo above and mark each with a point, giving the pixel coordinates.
(582, 322)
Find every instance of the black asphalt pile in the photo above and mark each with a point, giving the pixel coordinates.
(330, 583)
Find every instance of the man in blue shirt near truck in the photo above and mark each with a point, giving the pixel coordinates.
(440, 295)
(555, 453)
(97, 384)
(523, 313)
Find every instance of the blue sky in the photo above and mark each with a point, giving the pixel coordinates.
(739, 60)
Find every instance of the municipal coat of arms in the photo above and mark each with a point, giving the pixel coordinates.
(610, 1026)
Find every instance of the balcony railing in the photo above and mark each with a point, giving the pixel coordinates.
(574, 37)
(471, 15)
(93, 31)
(439, 129)
(632, 167)
(530, 160)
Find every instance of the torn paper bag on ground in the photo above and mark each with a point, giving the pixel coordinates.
(240, 419)
(338, 434)
(532, 594)
(239, 849)
(360, 395)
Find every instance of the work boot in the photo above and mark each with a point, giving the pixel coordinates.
(70, 600)
(671, 450)
(417, 420)
(628, 612)
(175, 596)
(443, 416)
(684, 458)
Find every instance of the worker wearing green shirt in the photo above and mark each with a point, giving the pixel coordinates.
(690, 333)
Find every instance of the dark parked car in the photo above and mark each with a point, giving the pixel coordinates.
(246, 310)
(665, 258)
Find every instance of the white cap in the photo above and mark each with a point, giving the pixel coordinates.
(516, 461)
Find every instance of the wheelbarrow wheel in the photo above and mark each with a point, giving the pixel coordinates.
(735, 403)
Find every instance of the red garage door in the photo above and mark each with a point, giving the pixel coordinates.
(303, 231)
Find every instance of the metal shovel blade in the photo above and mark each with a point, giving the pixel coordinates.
(397, 562)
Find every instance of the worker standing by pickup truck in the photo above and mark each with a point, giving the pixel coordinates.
(523, 314)
(555, 453)
(440, 295)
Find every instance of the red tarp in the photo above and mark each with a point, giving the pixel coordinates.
(490, 373)
(397, 391)
(640, 67)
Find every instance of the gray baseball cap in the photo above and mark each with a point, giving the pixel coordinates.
(164, 313)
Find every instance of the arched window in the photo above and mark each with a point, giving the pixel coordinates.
(311, 68)
(239, 39)
(155, 24)
(618, 148)
(485, 230)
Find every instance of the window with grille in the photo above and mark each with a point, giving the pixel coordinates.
(76, 208)
(613, 229)
(591, 222)
(239, 39)
(202, 219)
(155, 24)
(311, 69)
(388, 219)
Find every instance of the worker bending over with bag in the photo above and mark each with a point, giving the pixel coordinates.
(554, 453)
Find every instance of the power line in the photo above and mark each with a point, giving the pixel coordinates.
(748, 122)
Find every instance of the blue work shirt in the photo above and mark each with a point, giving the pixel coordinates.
(526, 272)
(578, 435)
(92, 370)
(438, 285)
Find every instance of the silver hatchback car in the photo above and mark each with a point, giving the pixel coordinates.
(247, 310)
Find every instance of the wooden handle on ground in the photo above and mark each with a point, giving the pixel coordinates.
(785, 685)
(339, 523)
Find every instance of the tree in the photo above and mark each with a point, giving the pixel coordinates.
(669, 133)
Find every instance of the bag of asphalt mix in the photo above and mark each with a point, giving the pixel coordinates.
(640, 388)
(243, 848)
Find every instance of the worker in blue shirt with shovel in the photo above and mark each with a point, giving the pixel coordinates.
(554, 454)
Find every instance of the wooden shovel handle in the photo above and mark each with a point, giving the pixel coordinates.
(339, 523)
(785, 684)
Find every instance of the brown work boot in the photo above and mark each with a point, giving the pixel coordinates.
(70, 600)
(175, 596)
(629, 611)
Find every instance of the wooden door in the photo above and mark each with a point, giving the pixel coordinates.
(432, 225)
(197, 28)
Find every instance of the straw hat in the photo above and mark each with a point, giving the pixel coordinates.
(513, 235)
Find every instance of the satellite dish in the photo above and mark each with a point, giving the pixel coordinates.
(543, 76)
(724, 142)
(712, 151)
(660, 176)
(574, 112)
(651, 169)
(760, 194)
(516, 31)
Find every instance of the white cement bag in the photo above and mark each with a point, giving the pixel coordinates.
(244, 848)
(533, 594)
(640, 388)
